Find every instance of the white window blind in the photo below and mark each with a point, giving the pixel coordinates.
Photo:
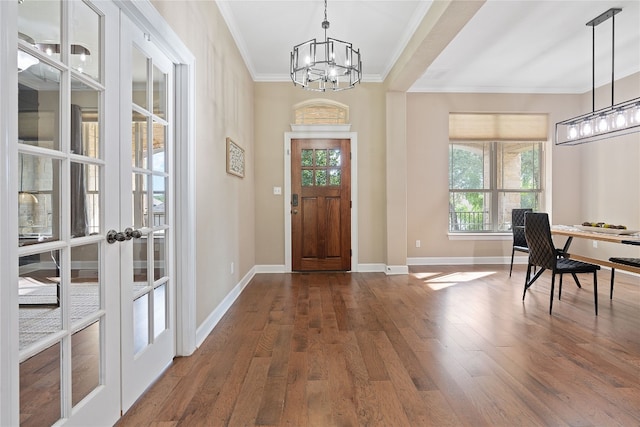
(498, 127)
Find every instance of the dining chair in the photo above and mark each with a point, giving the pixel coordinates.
(543, 254)
(517, 228)
(633, 262)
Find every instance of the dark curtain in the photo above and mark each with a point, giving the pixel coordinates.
(79, 222)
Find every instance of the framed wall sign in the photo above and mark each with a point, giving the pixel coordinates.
(235, 159)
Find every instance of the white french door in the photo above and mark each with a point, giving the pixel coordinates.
(146, 185)
(68, 276)
(92, 295)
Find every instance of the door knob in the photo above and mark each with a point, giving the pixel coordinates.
(119, 236)
(295, 211)
(130, 232)
(115, 236)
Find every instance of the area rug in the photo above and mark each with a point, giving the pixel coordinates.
(32, 291)
(38, 322)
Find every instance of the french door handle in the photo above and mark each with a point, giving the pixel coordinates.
(115, 236)
(130, 232)
(119, 236)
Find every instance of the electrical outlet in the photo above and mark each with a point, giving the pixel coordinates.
(277, 191)
(418, 243)
(595, 243)
(232, 268)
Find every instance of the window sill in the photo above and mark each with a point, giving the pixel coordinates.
(480, 236)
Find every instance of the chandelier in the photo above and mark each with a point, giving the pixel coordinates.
(618, 119)
(327, 65)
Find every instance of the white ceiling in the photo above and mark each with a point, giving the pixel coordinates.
(509, 46)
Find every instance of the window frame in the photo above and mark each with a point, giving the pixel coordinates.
(492, 188)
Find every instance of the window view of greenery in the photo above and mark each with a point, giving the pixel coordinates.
(487, 180)
(323, 164)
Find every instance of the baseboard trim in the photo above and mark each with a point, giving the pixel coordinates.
(396, 269)
(505, 260)
(267, 268)
(212, 320)
(371, 268)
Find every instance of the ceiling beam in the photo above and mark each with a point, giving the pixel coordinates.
(440, 25)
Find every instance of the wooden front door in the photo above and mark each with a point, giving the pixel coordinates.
(321, 204)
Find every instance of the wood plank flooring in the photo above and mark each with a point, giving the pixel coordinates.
(442, 346)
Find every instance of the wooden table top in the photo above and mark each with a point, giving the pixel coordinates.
(572, 231)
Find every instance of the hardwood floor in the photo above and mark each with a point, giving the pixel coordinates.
(442, 346)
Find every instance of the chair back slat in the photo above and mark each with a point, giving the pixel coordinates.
(542, 251)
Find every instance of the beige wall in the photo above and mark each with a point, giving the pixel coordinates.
(609, 180)
(224, 105)
(241, 221)
(585, 181)
(273, 116)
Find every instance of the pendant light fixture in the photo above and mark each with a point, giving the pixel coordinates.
(326, 65)
(618, 119)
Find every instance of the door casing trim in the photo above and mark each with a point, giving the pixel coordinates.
(329, 132)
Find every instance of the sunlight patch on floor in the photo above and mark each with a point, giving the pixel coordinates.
(453, 279)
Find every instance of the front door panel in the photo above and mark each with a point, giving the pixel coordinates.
(321, 205)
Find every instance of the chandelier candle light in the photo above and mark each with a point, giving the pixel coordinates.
(616, 120)
(327, 65)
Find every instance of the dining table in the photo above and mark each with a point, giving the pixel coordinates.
(598, 234)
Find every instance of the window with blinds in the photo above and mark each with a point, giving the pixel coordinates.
(495, 166)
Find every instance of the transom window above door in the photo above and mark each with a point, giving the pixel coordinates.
(321, 112)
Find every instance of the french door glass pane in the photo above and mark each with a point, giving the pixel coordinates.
(139, 200)
(38, 199)
(40, 388)
(140, 74)
(140, 268)
(84, 35)
(39, 106)
(140, 140)
(159, 255)
(85, 124)
(159, 93)
(159, 137)
(160, 310)
(85, 281)
(159, 200)
(85, 362)
(85, 199)
(39, 297)
(140, 323)
(92, 196)
(39, 25)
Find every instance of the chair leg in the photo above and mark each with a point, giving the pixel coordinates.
(560, 288)
(595, 290)
(553, 283)
(575, 279)
(613, 273)
(511, 268)
(528, 283)
(526, 280)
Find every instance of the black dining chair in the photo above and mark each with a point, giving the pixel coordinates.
(633, 262)
(517, 228)
(543, 254)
